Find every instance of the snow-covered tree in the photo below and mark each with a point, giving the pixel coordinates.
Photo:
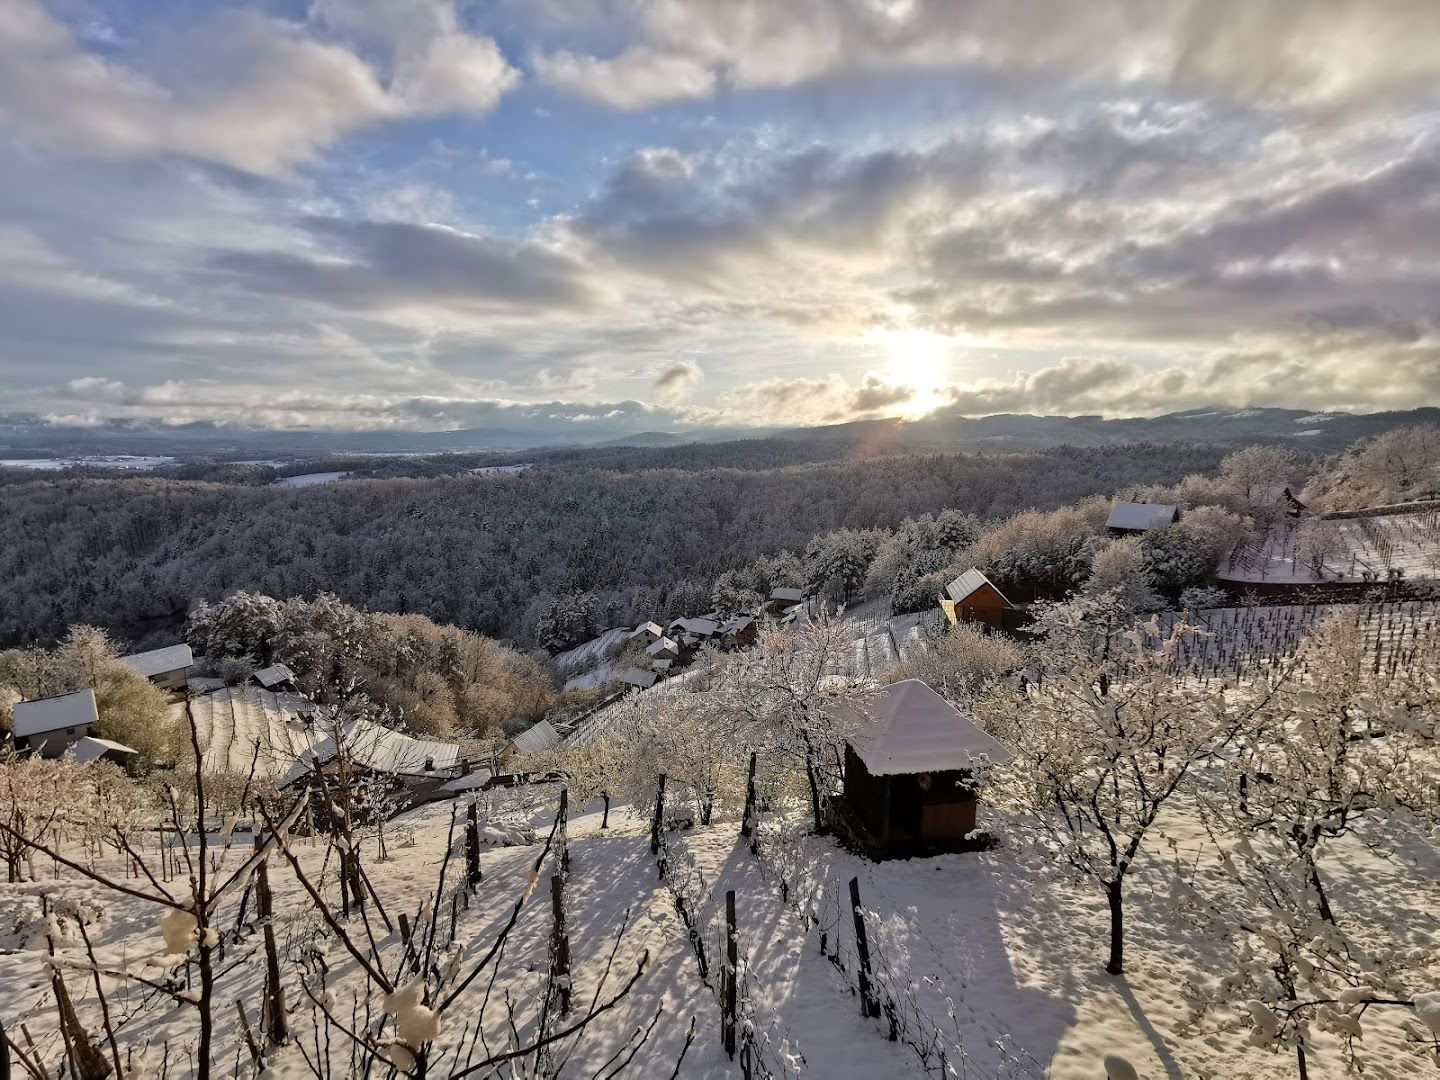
(959, 663)
(783, 693)
(1105, 741)
(1343, 754)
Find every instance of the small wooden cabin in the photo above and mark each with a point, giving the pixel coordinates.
(910, 773)
(973, 598)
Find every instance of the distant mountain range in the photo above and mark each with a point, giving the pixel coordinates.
(27, 436)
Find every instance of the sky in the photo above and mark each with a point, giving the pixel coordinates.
(672, 214)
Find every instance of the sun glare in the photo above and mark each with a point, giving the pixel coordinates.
(920, 360)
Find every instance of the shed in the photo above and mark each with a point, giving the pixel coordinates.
(91, 749)
(1134, 517)
(46, 726)
(910, 784)
(639, 678)
(274, 676)
(972, 597)
(164, 667)
(532, 740)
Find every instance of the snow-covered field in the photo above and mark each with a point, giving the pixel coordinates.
(1004, 956)
(310, 479)
(1360, 549)
(103, 461)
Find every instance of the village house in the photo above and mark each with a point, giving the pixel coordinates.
(974, 598)
(167, 668)
(1127, 518)
(911, 785)
(531, 741)
(784, 600)
(666, 648)
(414, 768)
(48, 726)
(649, 631)
(738, 632)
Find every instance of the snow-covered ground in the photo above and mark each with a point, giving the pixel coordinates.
(102, 461)
(1004, 956)
(310, 479)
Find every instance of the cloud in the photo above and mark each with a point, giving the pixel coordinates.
(396, 266)
(826, 399)
(677, 382)
(636, 79)
(253, 93)
(1275, 53)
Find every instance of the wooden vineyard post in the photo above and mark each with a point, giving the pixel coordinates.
(747, 823)
(472, 847)
(659, 813)
(868, 1005)
(565, 830)
(727, 1004)
(272, 1015)
(4, 1054)
(560, 944)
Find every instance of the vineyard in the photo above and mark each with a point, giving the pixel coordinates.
(1347, 550)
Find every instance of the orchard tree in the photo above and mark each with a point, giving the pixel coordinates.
(1105, 741)
(959, 663)
(1342, 752)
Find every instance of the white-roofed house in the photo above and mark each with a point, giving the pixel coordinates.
(911, 772)
(166, 668)
(973, 597)
(784, 599)
(47, 726)
(650, 631)
(410, 768)
(1133, 517)
(639, 677)
(666, 648)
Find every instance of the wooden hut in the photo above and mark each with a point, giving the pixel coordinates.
(973, 597)
(910, 773)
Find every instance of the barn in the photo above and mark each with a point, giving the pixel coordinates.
(974, 598)
(910, 773)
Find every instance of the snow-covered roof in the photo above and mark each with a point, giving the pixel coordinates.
(53, 713)
(204, 684)
(737, 625)
(1141, 516)
(698, 627)
(471, 781)
(379, 749)
(653, 629)
(159, 661)
(272, 676)
(968, 583)
(908, 728)
(539, 737)
(637, 677)
(91, 749)
(789, 596)
(663, 645)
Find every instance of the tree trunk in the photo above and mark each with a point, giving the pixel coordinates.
(814, 795)
(605, 817)
(272, 1016)
(1116, 965)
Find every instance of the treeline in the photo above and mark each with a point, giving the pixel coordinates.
(491, 554)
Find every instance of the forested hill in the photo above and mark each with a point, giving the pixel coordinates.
(484, 552)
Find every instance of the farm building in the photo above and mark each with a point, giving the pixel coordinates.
(1133, 517)
(910, 786)
(697, 629)
(532, 740)
(973, 598)
(666, 648)
(381, 751)
(651, 631)
(274, 677)
(91, 749)
(738, 632)
(47, 726)
(166, 667)
(640, 678)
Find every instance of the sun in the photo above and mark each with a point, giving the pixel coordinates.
(920, 360)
